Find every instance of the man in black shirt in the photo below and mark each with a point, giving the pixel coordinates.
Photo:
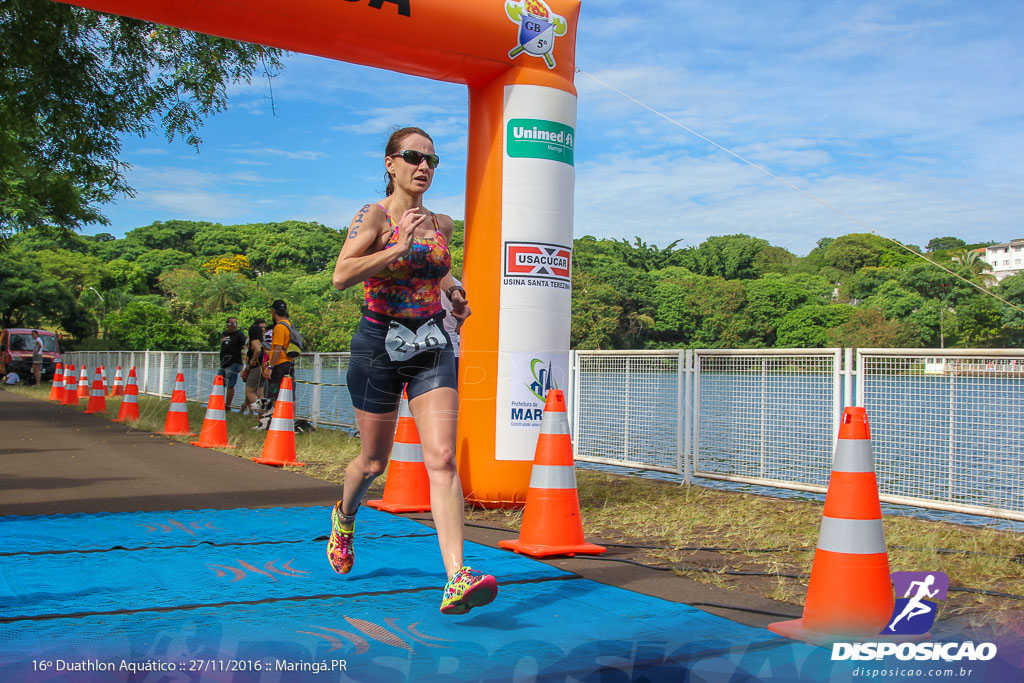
(232, 344)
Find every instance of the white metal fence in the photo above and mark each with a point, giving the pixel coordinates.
(320, 393)
(947, 425)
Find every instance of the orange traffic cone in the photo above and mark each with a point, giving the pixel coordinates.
(57, 386)
(407, 488)
(850, 591)
(118, 388)
(214, 433)
(176, 422)
(83, 385)
(70, 387)
(551, 521)
(97, 399)
(279, 446)
(130, 403)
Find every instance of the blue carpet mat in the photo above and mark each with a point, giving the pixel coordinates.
(275, 611)
(555, 631)
(76, 583)
(43, 533)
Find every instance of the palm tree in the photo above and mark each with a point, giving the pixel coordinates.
(224, 290)
(972, 260)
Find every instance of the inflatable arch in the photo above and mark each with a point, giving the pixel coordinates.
(518, 59)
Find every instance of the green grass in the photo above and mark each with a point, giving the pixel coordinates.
(699, 531)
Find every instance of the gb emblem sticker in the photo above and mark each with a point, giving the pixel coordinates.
(538, 28)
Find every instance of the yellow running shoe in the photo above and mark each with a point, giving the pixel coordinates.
(340, 551)
(468, 589)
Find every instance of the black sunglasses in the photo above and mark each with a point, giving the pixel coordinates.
(411, 156)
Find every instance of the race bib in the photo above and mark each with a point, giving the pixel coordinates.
(402, 343)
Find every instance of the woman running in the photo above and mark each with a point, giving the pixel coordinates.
(399, 250)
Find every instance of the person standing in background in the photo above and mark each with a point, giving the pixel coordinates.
(232, 343)
(279, 364)
(253, 372)
(452, 325)
(37, 355)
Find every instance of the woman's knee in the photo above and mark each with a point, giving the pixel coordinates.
(440, 460)
(370, 468)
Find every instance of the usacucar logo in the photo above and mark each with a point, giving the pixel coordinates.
(537, 260)
(538, 27)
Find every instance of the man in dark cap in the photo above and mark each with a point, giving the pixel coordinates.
(280, 364)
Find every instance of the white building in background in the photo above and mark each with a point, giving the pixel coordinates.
(1006, 259)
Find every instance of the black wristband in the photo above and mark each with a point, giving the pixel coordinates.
(453, 288)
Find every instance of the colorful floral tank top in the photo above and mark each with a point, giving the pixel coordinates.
(410, 287)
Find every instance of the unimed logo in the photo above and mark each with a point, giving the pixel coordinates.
(541, 139)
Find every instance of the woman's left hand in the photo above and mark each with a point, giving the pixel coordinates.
(460, 309)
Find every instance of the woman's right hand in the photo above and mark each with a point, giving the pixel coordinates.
(411, 219)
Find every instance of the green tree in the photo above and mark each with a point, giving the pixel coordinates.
(127, 276)
(771, 297)
(223, 290)
(942, 243)
(30, 296)
(158, 261)
(850, 253)
(74, 81)
(865, 283)
(775, 260)
(596, 313)
(869, 328)
(289, 245)
(979, 322)
(215, 240)
(696, 311)
(973, 262)
(142, 325)
(808, 327)
(732, 257)
(1012, 290)
(177, 235)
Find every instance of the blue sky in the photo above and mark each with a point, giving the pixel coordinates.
(908, 116)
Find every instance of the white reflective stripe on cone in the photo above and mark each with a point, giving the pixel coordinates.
(282, 424)
(216, 415)
(285, 395)
(851, 536)
(853, 455)
(407, 452)
(554, 423)
(553, 477)
(403, 409)
(178, 408)
(218, 390)
(97, 392)
(131, 398)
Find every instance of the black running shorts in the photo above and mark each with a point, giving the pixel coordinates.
(375, 381)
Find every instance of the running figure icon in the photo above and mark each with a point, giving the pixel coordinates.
(915, 605)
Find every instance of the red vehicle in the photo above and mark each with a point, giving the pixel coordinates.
(16, 352)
